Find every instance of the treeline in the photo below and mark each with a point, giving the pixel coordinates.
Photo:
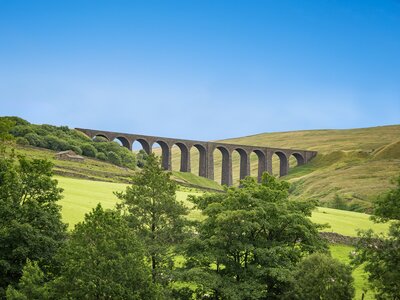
(61, 138)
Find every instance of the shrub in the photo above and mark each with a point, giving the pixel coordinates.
(21, 130)
(22, 141)
(88, 150)
(76, 149)
(36, 140)
(54, 143)
(100, 139)
(101, 156)
(114, 158)
(320, 276)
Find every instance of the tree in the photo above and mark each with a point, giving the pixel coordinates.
(339, 203)
(32, 284)
(30, 218)
(151, 209)
(250, 241)
(320, 277)
(103, 259)
(380, 254)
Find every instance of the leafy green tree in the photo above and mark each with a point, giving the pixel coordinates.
(30, 219)
(321, 277)
(380, 254)
(151, 208)
(250, 241)
(32, 284)
(103, 259)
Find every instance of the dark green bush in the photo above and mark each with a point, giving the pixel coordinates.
(89, 150)
(101, 156)
(21, 130)
(114, 158)
(76, 149)
(56, 144)
(36, 140)
(22, 141)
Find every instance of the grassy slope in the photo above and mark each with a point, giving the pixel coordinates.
(355, 163)
(81, 195)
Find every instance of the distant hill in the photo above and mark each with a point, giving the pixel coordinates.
(356, 164)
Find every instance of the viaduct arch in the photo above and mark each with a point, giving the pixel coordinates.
(206, 154)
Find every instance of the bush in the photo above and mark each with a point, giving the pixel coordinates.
(320, 276)
(76, 149)
(88, 150)
(114, 158)
(101, 156)
(36, 140)
(22, 141)
(21, 130)
(100, 139)
(54, 143)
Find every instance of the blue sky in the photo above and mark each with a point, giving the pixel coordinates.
(201, 69)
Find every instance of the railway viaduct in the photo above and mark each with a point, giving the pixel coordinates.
(206, 154)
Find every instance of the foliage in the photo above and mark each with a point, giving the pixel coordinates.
(30, 219)
(319, 277)
(151, 208)
(103, 259)
(380, 254)
(250, 241)
(5, 126)
(22, 141)
(62, 138)
(32, 284)
(338, 203)
(114, 158)
(141, 158)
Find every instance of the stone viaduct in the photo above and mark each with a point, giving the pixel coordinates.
(206, 154)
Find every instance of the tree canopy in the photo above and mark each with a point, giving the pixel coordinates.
(30, 218)
(250, 241)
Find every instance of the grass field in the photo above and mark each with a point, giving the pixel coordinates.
(80, 196)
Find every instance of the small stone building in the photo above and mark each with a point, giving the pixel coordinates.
(69, 155)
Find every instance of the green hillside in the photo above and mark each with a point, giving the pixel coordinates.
(355, 163)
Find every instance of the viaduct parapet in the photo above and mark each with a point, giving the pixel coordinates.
(206, 154)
